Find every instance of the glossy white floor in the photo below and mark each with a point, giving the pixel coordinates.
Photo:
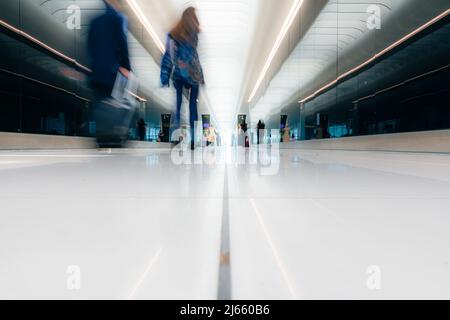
(135, 225)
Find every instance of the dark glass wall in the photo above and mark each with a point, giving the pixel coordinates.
(40, 92)
(405, 91)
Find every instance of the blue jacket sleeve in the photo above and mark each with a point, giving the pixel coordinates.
(167, 64)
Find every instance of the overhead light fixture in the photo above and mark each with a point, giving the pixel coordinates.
(143, 19)
(287, 24)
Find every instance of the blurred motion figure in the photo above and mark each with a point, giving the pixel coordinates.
(108, 50)
(142, 129)
(260, 131)
(182, 63)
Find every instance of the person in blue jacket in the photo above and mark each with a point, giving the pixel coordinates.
(109, 54)
(108, 47)
(181, 63)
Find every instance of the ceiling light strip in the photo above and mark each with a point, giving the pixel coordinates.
(378, 55)
(143, 19)
(287, 24)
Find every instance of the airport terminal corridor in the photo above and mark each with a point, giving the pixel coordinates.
(140, 227)
(217, 151)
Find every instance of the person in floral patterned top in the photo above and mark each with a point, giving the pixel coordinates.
(181, 63)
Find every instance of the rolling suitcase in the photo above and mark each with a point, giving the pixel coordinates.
(114, 114)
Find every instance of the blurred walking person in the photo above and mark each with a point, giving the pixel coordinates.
(286, 134)
(142, 129)
(108, 50)
(260, 131)
(181, 63)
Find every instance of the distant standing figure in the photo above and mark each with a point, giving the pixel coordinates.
(211, 137)
(244, 139)
(160, 136)
(260, 127)
(142, 129)
(287, 134)
(182, 63)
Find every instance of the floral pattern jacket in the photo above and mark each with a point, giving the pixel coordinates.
(181, 63)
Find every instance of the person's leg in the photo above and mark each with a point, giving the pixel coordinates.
(179, 88)
(100, 111)
(193, 113)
